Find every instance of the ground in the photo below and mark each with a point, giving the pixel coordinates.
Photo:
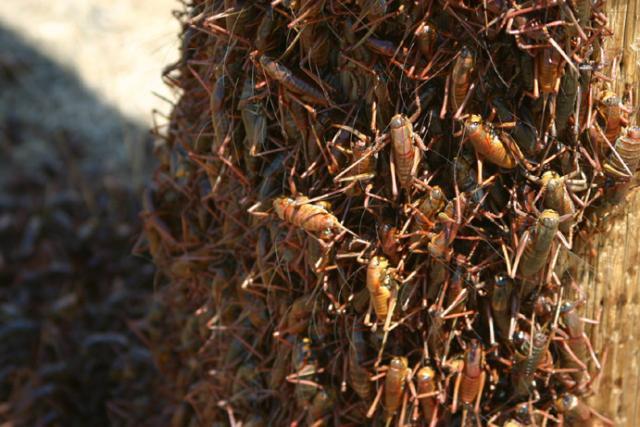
(105, 72)
(78, 83)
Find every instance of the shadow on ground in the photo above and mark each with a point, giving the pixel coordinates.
(71, 295)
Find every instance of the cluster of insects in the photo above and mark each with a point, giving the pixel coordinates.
(372, 206)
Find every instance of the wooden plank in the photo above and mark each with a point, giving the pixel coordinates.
(613, 295)
(610, 267)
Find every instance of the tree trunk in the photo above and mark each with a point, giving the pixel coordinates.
(274, 285)
(611, 276)
(612, 280)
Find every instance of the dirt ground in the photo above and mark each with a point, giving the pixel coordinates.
(113, 51)
(78, 80)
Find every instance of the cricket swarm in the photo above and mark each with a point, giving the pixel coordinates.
(367, 211)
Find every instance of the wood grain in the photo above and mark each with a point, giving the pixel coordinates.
(612, 283)
(610, 275)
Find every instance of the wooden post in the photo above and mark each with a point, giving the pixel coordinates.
(611, 276)
(625, 44)
(611, 280)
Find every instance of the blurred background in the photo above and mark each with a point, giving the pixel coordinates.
(79, 80)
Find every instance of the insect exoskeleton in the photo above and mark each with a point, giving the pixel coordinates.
(427, 36)
(461, 77)
(219, 119)
(286, 78)
(611, 111)
(500, 304)
(389, 241)
(308, 216)
(538, 247)
(573, 409)
(379, 283)
(253, 118)
(264, 40)
(472, 372)
(550, 64)
(523, 371)
(425, 216)
(320, 405)
(489, 144)
(306, 367)
(576, 343)
(404, 150)
(358, 374)
(365, 168)
(394, 385)
(426, 379)
(628, 148)
(557, 197)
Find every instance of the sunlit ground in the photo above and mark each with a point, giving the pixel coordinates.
(115, 48)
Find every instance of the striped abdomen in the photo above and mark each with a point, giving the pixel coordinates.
(461, 77)
(488, 143)
(377, 284)
(394, 385)
(628, 147)
(471, 373)
(538, 247)
(404, 151)
(308, 216)
(426, 378)
(549, 69)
